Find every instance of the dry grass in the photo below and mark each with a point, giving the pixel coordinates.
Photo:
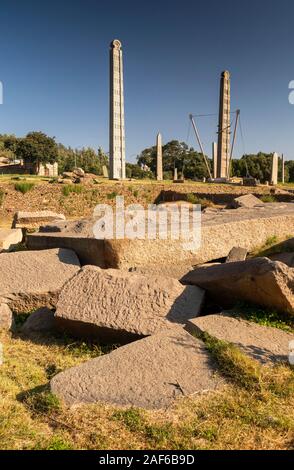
(253, 411)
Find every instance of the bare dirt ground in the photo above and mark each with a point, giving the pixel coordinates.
(46, 196)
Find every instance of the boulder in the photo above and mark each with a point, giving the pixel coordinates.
(248, 201)
(33, 220)
(114, 305)
(33, 279)
(9, 238)
(286, 258)
(237, 254)
(262, 343)
(42, 320)
(79, 172)
(149, 373)
(259, 281)
(67, 174)
(6, 318)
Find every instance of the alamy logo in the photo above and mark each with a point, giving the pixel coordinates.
(163, 222)
(291, 94)
(1, 92)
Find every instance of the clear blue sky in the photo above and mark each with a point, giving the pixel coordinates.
(54, 68)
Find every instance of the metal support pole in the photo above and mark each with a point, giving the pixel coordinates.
(233, 144)
(200, 145)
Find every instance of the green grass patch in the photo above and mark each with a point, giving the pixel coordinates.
(72, 189)
(132, 418)
(239, 368)
(194, 199)
(268, 198)
(2, 194)
(42, 402)
(112, 195)
(24, 187)
(265, 317)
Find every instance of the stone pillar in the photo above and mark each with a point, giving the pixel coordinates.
(275, 168)
(224, 126)
(283, 169)
(175, 174)
(117, 152)
(105, 171)
(214, 159)
(159, 172)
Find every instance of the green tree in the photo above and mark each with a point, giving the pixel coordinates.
(37, 148)
(176, 155)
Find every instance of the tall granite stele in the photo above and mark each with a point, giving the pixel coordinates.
(224, 127)
(159, 172)
(214, 159)
(117, 149)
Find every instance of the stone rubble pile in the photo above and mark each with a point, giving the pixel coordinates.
(156, 319)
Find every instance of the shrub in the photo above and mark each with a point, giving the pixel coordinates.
(1, 197)
(112, 195)
(23, 187)
(268, 198)
(75, 188)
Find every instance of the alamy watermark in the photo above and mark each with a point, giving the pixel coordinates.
(164, 222)
(291, 94)
(1, 92)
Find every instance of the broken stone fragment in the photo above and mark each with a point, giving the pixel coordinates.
(6, 318)
(149, 373)
(33, 279)
(262, 343)
(33, 220)
(121, 306)
(9, 238)
(248, 201)
(42, 320)
(258, 281)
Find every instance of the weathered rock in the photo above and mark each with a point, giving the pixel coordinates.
(29, 220)
(149, 373)
(262, 343)
(79, 172)
(286, 258)
(120, 306)
(6, 318)
(33, 279)
(67, 174)
(249, 201)
(42, 320)
(9, 238)
(237, 254)
(259, 281)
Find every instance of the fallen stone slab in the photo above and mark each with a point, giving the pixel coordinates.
(263, 343)
(114, 305)
(259, 281)
(237, 254)
(33, 220)
(220, 232)
(9, 238)
(40, 321)
(248, 201)
(6, 318)
(150, 373)
(33, 279)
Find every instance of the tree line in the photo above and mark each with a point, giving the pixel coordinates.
(37, 148)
